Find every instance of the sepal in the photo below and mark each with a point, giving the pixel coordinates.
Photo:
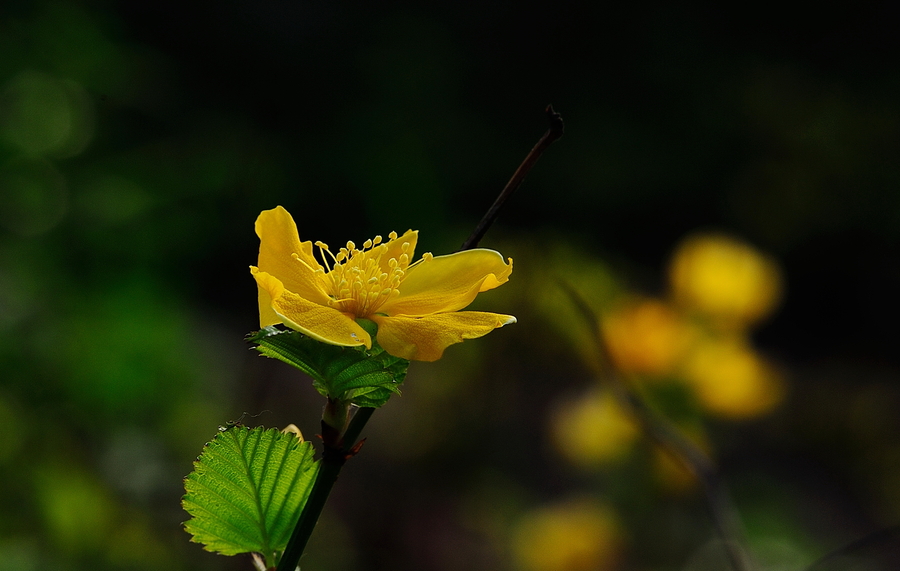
(353, 375)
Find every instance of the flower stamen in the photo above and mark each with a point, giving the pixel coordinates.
(323, 249)
(358, 280)
(426, 257)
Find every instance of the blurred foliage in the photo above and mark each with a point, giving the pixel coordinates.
(138, 142)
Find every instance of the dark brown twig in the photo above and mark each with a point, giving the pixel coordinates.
(675, 444)
(553, 133)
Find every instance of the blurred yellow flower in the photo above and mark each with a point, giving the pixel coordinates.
(646, 337)
(416, 306)
(593, 429)
(724, 278)
(731, 380)
(578, 535)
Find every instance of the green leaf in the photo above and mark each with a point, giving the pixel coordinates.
(247, 490)
(356, 375)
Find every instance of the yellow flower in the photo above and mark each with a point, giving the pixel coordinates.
(580, 534)
(416, 306)
(646, 337)
(593, 430)
(725, 279)
(731, 380)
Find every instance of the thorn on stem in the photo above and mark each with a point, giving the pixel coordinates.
(355, 450)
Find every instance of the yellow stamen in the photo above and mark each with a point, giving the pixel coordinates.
(359, 282)
(427, 256)
(323, 249)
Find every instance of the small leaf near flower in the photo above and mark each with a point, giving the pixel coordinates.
(352, 375)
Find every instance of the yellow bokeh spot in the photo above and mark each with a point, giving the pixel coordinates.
(646, 337)
(592, 430)
(578, 535)
(724, 278)
(731, 380)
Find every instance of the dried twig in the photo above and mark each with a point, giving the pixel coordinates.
(553, 133)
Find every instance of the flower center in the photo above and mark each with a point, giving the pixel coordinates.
(360, 281)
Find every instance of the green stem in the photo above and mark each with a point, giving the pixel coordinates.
(337, 450)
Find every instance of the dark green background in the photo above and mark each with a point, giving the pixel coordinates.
(125, 293)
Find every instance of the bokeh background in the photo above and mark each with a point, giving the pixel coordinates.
(725, 197)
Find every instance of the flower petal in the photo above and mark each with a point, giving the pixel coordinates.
(267, 315)
(320, 322)
(448, 283)
(278, 242)
(425, 338)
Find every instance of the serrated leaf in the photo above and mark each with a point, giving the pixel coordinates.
(356, 375)
(247, 490)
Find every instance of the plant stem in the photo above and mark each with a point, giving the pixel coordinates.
(882, 540)
(338, 448)
(553, 133)
(356, 425)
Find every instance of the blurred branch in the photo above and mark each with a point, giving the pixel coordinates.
(856, 550)
(673, 443)
(553, 133)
